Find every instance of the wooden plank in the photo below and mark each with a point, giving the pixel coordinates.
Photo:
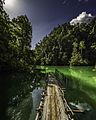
(53, 103)
(53, 106)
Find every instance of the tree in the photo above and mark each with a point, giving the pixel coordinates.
(23, 32)
(4, 37)
(81, 46)
(1, 5)
(68, 44)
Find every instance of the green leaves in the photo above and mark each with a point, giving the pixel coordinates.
(69, 45)
(15, 42)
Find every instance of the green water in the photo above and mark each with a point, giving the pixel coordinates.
(18, 100)
(85, 77)
(80, 84)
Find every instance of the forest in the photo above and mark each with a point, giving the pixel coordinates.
(22, 79)
(15, 42)
(67, 44)
(16, 62)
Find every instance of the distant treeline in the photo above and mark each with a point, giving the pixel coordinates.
(68, 45)
(15, 42)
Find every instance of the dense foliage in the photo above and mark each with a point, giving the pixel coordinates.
(16, 56)
(15, 42)
(68, 45)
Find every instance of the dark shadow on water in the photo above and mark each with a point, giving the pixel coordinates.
(4, 85)
(16, 100)
(13, 89)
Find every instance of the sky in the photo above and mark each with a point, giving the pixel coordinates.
(44, 15)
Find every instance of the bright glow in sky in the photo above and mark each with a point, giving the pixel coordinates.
(10, 3)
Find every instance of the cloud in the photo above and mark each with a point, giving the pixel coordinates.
(82, 18)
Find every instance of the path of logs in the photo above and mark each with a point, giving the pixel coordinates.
(53, 105)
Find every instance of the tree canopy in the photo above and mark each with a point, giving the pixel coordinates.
(15, 42)
(68, 45)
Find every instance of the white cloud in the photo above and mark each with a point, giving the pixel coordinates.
(82, 18)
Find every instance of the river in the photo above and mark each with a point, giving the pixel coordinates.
(80, 84)
(19, 99)
(20, 95)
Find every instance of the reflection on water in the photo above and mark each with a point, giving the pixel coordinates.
(81, 78)
(80, 106)
(19, 102)
(19, 96)
(22, 111)
(36, 96)
(3, 96)
(26, 110)
(80, 83)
